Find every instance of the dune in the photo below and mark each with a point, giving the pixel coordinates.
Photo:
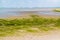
(51, 35)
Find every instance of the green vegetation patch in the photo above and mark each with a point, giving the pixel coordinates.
(56, 10)
(11, 26)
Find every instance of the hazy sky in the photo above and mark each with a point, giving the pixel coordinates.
(29, 3)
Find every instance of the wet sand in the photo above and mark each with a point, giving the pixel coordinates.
(28, 16)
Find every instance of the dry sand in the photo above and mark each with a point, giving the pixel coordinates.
(53, 35)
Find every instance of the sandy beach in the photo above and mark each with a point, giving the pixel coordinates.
(52, 35)
(29, 19)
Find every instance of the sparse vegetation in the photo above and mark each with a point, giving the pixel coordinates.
(10, 26)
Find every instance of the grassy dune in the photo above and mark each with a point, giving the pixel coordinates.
(56, 10)
(33, 24)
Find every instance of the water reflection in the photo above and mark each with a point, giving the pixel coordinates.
(17, 12)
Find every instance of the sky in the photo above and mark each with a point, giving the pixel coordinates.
(29, 3)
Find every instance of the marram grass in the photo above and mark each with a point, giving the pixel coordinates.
(11, 26)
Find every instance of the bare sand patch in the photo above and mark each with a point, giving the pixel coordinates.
(52, 35)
